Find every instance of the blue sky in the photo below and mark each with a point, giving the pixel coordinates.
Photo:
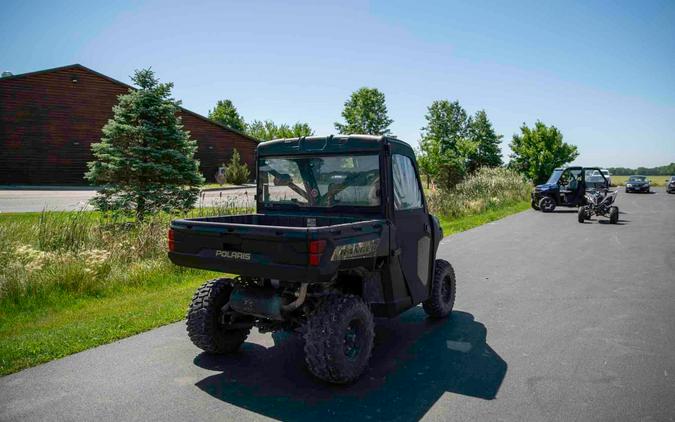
(602, 72)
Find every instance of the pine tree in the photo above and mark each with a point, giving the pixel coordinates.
(481, 132)
(236, 172)
(145, 160)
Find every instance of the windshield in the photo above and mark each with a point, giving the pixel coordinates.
(554, 177)
(320, 181)
(637, 178)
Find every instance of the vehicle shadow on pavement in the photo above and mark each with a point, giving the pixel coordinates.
(414, 362)
(618, 223)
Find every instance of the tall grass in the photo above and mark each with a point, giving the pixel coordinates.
(487, 189)
(85, 253)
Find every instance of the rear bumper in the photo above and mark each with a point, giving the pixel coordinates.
(300, 273)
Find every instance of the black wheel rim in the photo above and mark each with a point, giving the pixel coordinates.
(548, 203)
(353, 339)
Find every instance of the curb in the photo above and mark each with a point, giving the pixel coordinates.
(227, 188)
(48, 187)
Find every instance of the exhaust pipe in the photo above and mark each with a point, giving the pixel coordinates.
(297, 302)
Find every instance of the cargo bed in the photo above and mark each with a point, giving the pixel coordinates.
(276, 246)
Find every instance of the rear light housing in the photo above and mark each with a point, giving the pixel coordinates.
(172, 242)
(316, 250)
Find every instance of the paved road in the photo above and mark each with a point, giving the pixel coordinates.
(554, 320)
(70, 200)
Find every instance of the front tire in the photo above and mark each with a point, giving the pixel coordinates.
(581, 214)
(442, 297)
(547, 204)
(339, 337)
(534, 205)
(205, 324)
(613, 215)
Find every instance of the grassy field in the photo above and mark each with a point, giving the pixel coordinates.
(452, 226)
(70, 281)
(64, 323)
(656, 180)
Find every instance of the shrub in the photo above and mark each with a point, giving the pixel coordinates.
(486, 189)
(236, 172)
(85, 253)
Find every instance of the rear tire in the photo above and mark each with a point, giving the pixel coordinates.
(613, 215)
(204, 324)
(442, 297)
(547, 204)
(339, 337)
(581, 214)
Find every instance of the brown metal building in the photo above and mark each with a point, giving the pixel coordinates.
(49, 119)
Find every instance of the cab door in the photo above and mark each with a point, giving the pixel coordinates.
(413, 228)
(572, 186)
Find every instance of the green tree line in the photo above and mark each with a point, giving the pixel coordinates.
(666, 170)
(145, 160)
(453, 143)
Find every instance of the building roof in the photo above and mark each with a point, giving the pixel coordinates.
(101, 75)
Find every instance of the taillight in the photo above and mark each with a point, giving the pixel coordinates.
(316, 249)
(172, 243)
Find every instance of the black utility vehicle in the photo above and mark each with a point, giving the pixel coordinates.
(342, 234)
(567, 187)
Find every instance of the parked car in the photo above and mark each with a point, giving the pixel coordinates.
(342, 234)
(605, 173)
(638, 184)
(670, 184)
(567, 187)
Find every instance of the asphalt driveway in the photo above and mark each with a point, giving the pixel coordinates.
(554, 320)
(34, 200)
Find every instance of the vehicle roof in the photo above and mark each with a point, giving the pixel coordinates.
(577, 167)
(332, 144)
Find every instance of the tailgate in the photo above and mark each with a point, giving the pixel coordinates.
(251, 250)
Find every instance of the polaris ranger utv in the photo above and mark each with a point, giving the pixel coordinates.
(342, 234)
(567, 188)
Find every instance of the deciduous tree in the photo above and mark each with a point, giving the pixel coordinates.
(365, 112)
(445, 147)
(537, 151)
(267, 130)
(226, 113)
